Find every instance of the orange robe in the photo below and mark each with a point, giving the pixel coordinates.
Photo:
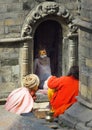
(66, 90)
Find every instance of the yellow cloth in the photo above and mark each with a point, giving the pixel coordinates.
(50, 93)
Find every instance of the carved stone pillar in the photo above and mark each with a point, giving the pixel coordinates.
(73, 50)
(24, 64)
(65, 55)
(26, 58)
(31, 55)
(70, 52)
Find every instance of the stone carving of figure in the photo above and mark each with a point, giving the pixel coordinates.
(42, 67)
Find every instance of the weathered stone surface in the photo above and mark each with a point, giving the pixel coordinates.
(13, 29)
(26, 121)
(8, 1)
(2, 29)
(3, 8)
(77, 116)
(10, 121)
(85, 9)
(81, 126)
(84, 51)
(14, 6)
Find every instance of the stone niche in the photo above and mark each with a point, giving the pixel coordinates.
(50, 24)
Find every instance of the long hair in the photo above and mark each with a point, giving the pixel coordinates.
(74, 71)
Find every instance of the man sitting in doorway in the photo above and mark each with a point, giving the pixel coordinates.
(42, 66)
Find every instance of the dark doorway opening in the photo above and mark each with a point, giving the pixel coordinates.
(48, 34)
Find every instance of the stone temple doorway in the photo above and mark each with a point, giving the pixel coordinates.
(48, 34)
(51, 25)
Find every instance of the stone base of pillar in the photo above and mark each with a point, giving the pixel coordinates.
(78, 117)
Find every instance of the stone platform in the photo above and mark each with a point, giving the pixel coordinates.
(28, 121)
(78, 116)
(10, 121)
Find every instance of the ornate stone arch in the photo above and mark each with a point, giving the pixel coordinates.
(45, 9)
(41, 11)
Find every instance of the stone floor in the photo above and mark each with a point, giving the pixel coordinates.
(10, 121)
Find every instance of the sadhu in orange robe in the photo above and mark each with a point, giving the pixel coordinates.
(64, 94)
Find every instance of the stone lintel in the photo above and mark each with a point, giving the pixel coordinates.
(12, 40)
(84, 24)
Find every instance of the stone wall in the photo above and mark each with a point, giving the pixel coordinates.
(85, 51)
(9, 68)
(12, 15)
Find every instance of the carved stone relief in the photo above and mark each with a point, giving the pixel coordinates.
(41, 11)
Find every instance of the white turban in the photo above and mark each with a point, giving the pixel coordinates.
(31, 81)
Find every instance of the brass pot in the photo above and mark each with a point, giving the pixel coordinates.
(49, 116)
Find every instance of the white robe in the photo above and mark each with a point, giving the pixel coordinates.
(42, 69)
